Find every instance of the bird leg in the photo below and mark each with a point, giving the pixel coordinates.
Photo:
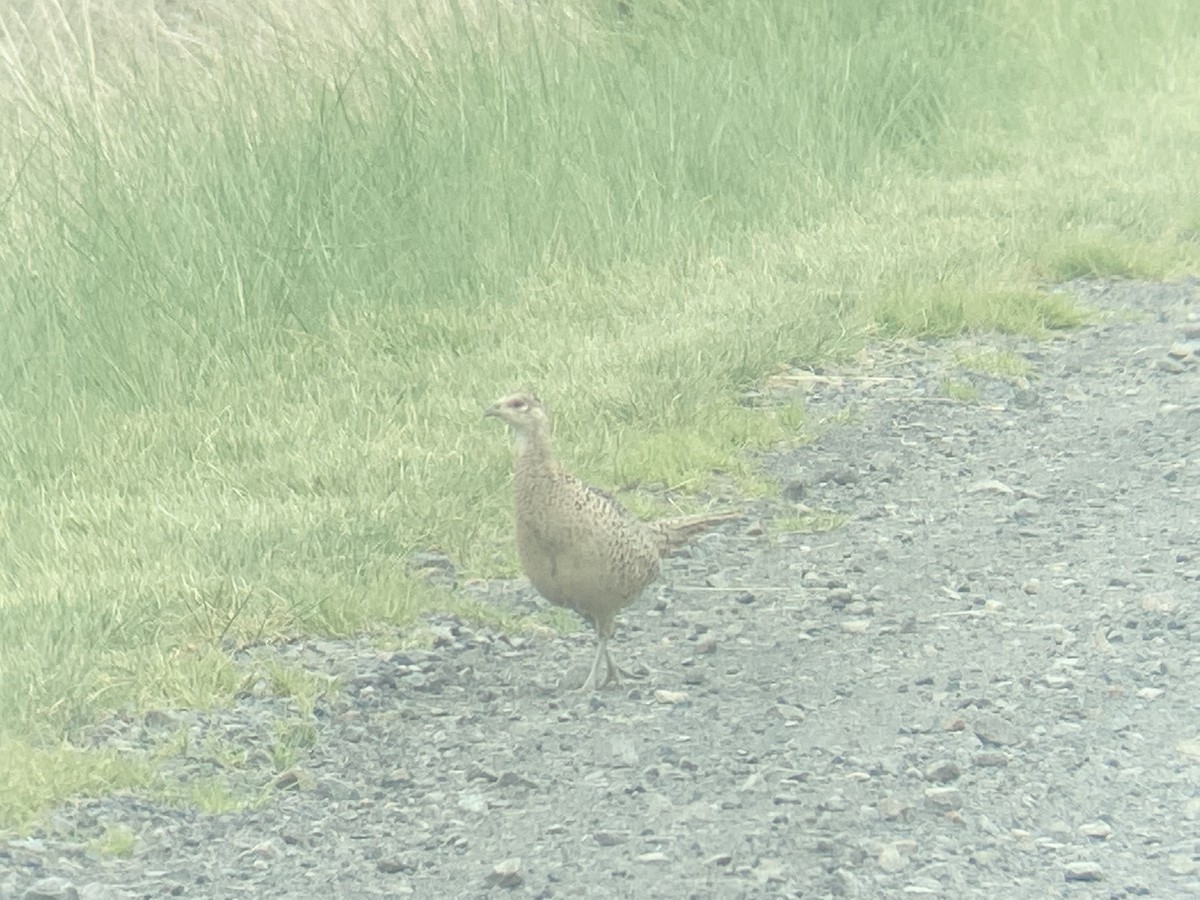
(613, 673)
(593, 683)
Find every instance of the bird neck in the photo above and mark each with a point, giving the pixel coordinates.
(533, 450)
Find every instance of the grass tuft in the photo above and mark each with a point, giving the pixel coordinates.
(958, 390)
(808, 521)
(944, 311)
(997, 363)
(114, 841)
(33, 777)
(1108, 257)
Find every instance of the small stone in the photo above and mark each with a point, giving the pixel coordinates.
(1179, 351)
(288, 780)
(481, 773)
(943, 771)
(512, 779)
(624, 753)
(794, 491)
(839, 597)
(610, 838)
(506, 873)
(433, 567)
(892, 808)
(998, 732)
(1083, 871)
(1032, 586)
(670, 697)
(1179, 864)
(1098, 830)
(943, 798)
(706, 645)
(1149, 693)
(924, 887)
(1189, 748)
(891, 859)
(855, 626)
(768, 871)
(985, 858)
(654, 856)
(266, 850)
(331, 789)
(990, 486)
(753, 782)
(1024, 509)
(989, 759)
(835, 803)
(473, 803)
(51, 889)
(96, 891)
(1159, 601)
(790, 713)
(788, 798)
(392, 866)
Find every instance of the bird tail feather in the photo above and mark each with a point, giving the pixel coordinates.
(671, 534)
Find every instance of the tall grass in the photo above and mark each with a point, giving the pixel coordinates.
(263, 273)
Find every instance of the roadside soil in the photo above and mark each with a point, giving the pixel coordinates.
(982, 683)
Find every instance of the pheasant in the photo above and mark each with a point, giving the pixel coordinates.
(581, 548)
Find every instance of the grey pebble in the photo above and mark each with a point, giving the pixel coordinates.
(1182, 864)
(53, 888)
(996, 731)
(610, 838)
(1083, 871)
(943, 798)
(95, 891)
(506, 873)
(1181, 351)
(942, 771)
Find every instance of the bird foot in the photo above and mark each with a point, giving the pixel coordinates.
(612, 675)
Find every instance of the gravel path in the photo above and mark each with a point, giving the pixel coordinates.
(983, 684)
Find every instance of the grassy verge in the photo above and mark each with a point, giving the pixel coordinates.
(261, 280)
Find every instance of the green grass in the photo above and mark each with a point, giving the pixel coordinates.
(32, 777)
(942, 311)
(808, 521)
(292, 738)
(959, 390)
(114, 841)
(262, 273)
(998, 363)
(1108, 255)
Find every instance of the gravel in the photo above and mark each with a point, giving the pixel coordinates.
(983, 683)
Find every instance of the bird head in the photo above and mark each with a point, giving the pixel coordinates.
(525, 413)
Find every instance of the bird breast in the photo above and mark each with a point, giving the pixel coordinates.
(578, 548)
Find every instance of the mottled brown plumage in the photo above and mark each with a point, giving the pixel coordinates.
(581, 548)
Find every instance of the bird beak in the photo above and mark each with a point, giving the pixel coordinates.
(493, 410)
